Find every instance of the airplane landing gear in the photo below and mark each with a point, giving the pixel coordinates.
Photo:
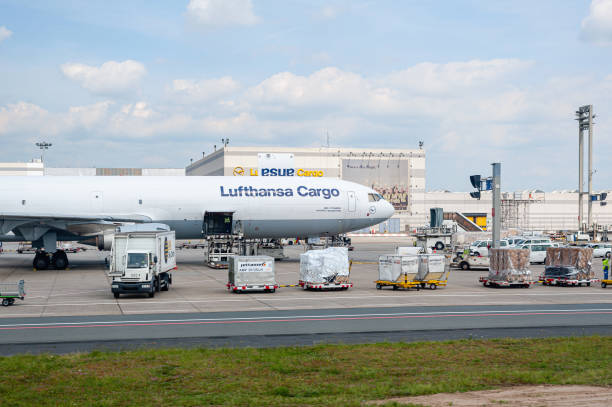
(42, 260)
(60, 260)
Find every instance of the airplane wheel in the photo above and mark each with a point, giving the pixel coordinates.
(41, 261)
(60, 260)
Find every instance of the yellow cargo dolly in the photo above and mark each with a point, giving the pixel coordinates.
(433, 284)
(605, 283)
(405, 283)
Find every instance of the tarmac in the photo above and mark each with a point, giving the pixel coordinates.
(85, 288)
(74, 310)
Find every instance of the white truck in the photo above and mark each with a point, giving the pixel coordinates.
(142, 262)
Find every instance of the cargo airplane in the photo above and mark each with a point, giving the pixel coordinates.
(45, 210)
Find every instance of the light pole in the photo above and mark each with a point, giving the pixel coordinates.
(43, 145)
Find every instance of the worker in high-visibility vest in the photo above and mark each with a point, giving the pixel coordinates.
(606, 267)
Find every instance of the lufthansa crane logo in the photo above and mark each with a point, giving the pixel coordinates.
(238, 171)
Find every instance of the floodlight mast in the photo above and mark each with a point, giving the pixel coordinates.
(43, 145)
(584, 116)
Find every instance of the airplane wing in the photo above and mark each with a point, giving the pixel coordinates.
(32, 226)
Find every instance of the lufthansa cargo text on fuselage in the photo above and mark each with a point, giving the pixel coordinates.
(302, 191)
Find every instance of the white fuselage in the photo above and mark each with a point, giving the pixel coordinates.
(265, 206)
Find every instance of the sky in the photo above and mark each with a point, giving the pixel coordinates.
(154, 84)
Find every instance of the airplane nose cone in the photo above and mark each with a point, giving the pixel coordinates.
(388, 210)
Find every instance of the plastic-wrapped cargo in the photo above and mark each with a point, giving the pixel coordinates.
(249, 271)
(329, 265)
(511, 265)
(432, 267)
(578, 257)
(395, 268)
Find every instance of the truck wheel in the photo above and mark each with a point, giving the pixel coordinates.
(5, 302)
(433, 286)
(464, 265)
(379, 287)
(165, 283)
(116, 295)
(439, 245)
(157, 284)
(11, 301)
(603, 285)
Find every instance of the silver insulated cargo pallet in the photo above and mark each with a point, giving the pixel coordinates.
(251, 273)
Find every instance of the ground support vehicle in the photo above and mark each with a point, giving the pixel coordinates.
(503, 283)
(471, 262)
(568, 282)
(398, 271)
(436, 238)
(251, 273)
(142, 262)
(9, 292)
(605, 283)
(433, 284)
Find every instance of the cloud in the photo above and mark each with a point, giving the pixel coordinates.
(4, 33)
(597, 26)
(217, 13)
(111, 77)
(187, 90)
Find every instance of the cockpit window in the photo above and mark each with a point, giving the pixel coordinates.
(374, 197)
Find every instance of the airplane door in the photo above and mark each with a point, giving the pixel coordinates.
(97, 201)
(352, 204)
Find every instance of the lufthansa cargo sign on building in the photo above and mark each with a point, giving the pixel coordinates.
(278, 172)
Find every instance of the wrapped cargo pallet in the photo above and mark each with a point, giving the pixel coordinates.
(578, 257)
(432, 267)
(251, 273)
(396, 268)
(509, 265)
(325, 266)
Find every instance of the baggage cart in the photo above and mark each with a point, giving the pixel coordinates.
(398, 271)
(251, 273)
(605, 283)
(521, 283)
(9, 292)
(433, 271)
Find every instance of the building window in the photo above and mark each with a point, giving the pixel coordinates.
(23, 201)
(140, 202)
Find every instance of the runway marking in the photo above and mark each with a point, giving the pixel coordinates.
(303, 318)
(391, 296)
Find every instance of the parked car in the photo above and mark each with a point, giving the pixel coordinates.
(481, 247)
(537, 251)
(600, 249)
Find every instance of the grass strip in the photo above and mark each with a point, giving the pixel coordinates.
(324, 375)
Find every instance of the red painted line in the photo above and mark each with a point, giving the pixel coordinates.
(302, 320)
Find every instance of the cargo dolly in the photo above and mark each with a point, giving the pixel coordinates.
(325, 286)
(267, 288)
(10, 291)
(565, 282)
(487, 282)
(404, 283)
(605, 283)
